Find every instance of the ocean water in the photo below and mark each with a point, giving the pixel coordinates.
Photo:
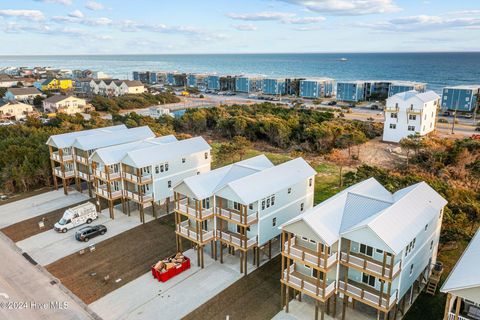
(436, 69)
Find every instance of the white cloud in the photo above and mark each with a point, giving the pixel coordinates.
(347, 7)
(423, 23)
(33, 15)
(72, 18)
(284, 17)
(93, 5)
(245, 27)
(64, 2)
(76, 14)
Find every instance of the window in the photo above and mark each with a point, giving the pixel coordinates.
(273, 200)
(431, 245)
(301, 206)
(412, 117)
(313, 241)
(410, 247)
(206, 155)
(161, 168)
(169, 183)
(250, 206)
(426, 227)
(316, 273)
(379, 251)
(157, 169)
(263, 204)
(411, 128)
(289, 190)
(393, 126)
(239, 230)
(206, 203)
(368, 279)
(236, 206)
(411, 269)
(394, 115)
(166, 166)
(183, 160)
(310, 182)
(268, 203)
(366, 250)
(274, 222)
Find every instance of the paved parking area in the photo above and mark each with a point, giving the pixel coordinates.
(27, 208)
(50, 246)
(175, 298)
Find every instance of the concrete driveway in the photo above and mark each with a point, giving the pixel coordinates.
(27, 208)
(50, 246)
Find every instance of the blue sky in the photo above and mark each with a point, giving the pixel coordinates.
(237, 26)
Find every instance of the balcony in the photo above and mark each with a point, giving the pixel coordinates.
(64, 174)
(185, 209)
(391, 109)
(147, 178)
(451, 316)
(65, 157)
(106, 177)
(137, 197)
(81, 160)
(370, 266)
(236, 217)
(368, 295)
(235, 239)
(307, 285)
(83, 175)
(307, 256)
(103, 192)
(189, 232)
(414, 111)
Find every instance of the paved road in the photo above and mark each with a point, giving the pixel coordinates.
(29, 288)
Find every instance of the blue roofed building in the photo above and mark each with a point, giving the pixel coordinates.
(464, 98)
(351, 91)
(274, 86)
(176, 79)
(404, 86)
(197, 80)
(248, 84)
(213, 82)
(316, 88)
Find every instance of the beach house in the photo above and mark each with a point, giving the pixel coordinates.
(64, 104)
(463, 285)
(26, 94)
(364, 244)
(15, 110)
(464, 98)
(409, 113)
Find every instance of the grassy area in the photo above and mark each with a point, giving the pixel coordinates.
(326, 182)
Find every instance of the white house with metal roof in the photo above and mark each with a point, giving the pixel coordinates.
(408, 113)
(463, 285)
(62, 152)
(241, 205)
(363, 244)
(106, 166)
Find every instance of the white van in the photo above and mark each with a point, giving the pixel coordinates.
(76, 216)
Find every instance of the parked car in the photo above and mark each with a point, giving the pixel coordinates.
(87, 233)
(76, 216)
(332, 103)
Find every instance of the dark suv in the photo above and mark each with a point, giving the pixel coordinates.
(90, 232)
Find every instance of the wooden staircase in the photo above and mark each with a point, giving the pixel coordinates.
(431, 287)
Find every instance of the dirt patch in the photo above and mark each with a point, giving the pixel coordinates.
(27, 228)
(23, 195)
(256, 296)
(126, 256)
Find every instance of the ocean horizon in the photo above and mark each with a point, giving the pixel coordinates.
(437, 69)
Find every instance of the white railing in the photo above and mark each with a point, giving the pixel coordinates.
(103, 175)
(188, 209)
(83, 175)
(184, 229)
(374, 267)
(236, 240)
(56, 156)
(81, 159)
(139, 198)
(65, 174)
(102, 191)
(311, 288)
(365, 295)
(297, 252)
(451, 316)
(137, 179)
(237, 217)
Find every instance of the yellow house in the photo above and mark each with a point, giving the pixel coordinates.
(57, 84)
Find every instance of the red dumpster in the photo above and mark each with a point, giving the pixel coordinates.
(172, 272)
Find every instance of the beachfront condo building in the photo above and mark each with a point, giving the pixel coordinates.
(240, 206)
(364, 244)
(197, 80)
(403, 86)
(351, 91)
(176, 79)
(274, 86)
(213, 82)
(62, 153)
(465, 98)
(410, 113)
(148, 77)
(463, 285)
(107, 171)
(248, 84)
(314, 88)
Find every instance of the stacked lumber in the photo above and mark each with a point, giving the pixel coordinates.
(169, 263)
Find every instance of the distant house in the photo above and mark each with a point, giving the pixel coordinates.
(461, 98)
(351, 91)
(410, 113)
(404, 86)
(131, 87)
(248, 84)
(274, 86)
(22, 94)
(316, 88)
(57, 84)
(64, 104)
(14, 109)
(7, 81)
(115, 88)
